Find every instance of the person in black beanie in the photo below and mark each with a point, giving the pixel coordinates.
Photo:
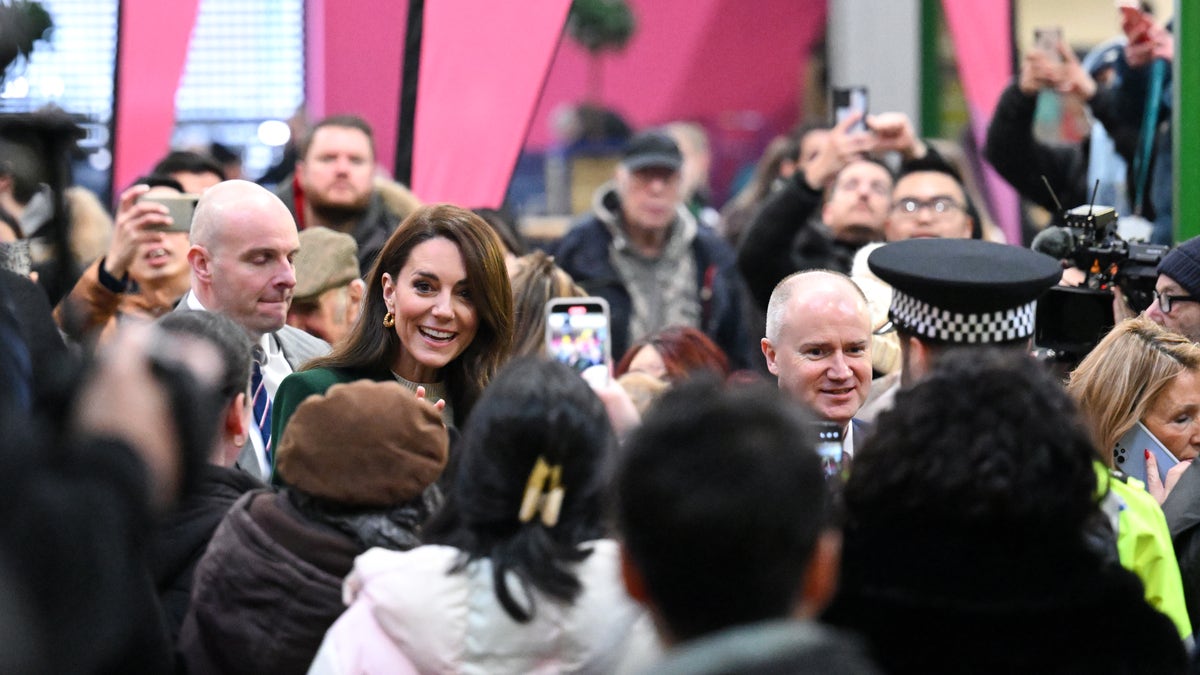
(1176, 303)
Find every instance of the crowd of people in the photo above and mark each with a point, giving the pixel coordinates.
(318, 428)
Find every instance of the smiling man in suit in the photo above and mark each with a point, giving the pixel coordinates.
(818, 344)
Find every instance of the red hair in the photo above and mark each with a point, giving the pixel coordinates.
(684, 350)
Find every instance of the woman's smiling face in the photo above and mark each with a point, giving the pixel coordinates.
(435, 313)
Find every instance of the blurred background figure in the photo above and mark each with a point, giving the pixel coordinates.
(674, 354)
(142, 275)
(504, 224)
(693, 142)
(334, 184)
(535, 281)
(194, 172)
(646, 255)
(780, 160)
(229, 160)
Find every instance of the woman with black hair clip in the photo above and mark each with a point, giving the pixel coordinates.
(526, 508)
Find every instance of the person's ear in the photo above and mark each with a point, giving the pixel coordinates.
(358, 288)
(235, 428)
(916, 363)
(768, 351)
(198, 258)
(821, 575)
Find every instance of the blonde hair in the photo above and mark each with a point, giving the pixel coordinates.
(535, 280)
(1120, 379)
(91, 226)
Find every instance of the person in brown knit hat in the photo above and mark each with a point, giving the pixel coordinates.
(360, 464)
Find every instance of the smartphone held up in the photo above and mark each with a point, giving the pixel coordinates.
(181, 207)
(848, 101)
(578, 334)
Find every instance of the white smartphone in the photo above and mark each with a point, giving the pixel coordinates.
(1047, 39)
(1129, 455)
(850, 100)
(578, 333)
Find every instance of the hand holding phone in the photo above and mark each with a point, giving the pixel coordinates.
(1129, 455)
(578, 334)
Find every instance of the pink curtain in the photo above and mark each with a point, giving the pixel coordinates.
(483, 65)
(354, 55)
(982, 35)
(154, 38)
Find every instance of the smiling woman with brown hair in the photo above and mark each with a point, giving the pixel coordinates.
(437, 314)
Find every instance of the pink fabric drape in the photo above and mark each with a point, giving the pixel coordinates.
(154, 38)
(483, 65)
(982, 35)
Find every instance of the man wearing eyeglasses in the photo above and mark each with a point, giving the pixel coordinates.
(1176, 303)
(928, 201)
(839, 202)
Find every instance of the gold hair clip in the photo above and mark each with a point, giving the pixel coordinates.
(539, 498)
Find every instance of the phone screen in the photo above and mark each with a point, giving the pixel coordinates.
(578, 334)
(827, 439)
(850, 100)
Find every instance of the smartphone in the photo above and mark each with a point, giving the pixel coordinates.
(578, 333)
(827, 439)
(1129, 455)
(1047, 39)
(181, 208)
(847, 101)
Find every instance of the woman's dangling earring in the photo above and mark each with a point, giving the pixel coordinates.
(389, 320)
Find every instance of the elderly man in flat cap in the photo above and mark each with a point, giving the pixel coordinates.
(329, 288)
(643, 251)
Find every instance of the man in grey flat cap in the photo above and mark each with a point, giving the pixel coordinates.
(329, 288)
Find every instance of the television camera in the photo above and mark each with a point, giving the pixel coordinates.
(1072, 319)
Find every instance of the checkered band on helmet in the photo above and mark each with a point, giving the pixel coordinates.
(935, 323)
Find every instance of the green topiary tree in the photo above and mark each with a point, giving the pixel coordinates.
(599, 26)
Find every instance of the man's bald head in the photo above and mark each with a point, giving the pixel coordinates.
(804, 283)
(243, 241)
(222, 203)
(818, 343)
